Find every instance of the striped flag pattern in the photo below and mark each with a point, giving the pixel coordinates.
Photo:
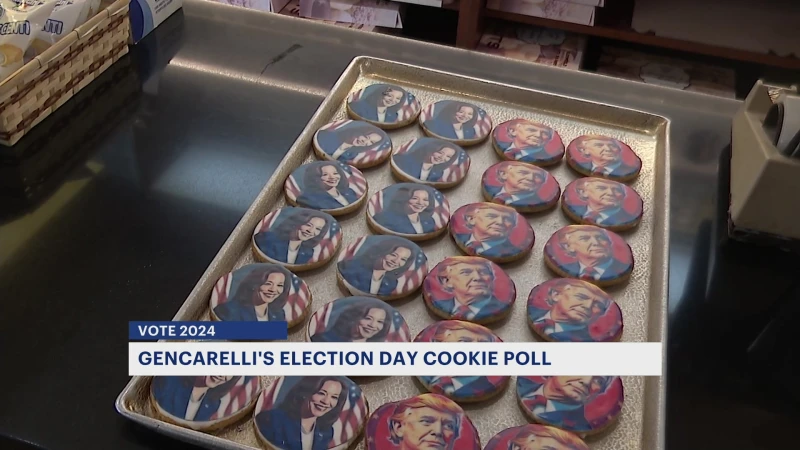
(221, 290)
(441, 209)
(427, 113)
(409, 108)
(320, 319)
(291, 187)
(351, 250)
(404, 335)
(298, 299)
(241, 394)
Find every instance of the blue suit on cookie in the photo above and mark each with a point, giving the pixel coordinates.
(285, 432)
(323, 200)
(497, 249)
(445, 129)
(360, 277)
(611, 269)
(329, 142)
(370, 112)
(172, 394)
(233, 311)
(617, 217)
(413, 167)
(278, 249)
(400, 223)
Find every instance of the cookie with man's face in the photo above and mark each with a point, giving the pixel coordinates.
(528, 141)
(602, 202)
(522, 186)
(603, 156)
(589, 253)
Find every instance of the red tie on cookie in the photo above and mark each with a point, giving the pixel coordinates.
(475, 246)
(463, 311)
(548, 324)
(589, 272)
(533, 402)
(592, 215)
(446, 384)
(504, 197)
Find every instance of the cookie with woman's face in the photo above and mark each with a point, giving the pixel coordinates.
(410, 210)
(456, 121)
(357, 143)
(430, 161)
(386, 106)
(329, 186)
(357, 319)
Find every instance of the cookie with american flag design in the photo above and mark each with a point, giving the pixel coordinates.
(204, 403)
(328, 186)
(357, 143)
(427, 421)
(522, 186)
(534, 436)
(357, 319)
(333, 407)
(527, 141)
(462, 389)
(430, 161)
(384, 105)
(469, 288)
(260, 292)
(456, 121)
(386, 267)
(410, 210)
(496, 232)
(297, 238)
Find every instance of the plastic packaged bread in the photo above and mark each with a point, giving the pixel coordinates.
(66, 16)
(20, 21)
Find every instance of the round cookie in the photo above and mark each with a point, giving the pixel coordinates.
(296, 238)
(456, 121)
(570, 310)
(386, 267)
(464, 389)
(430, 161)
(602, 156)
(410, 210)
(329, 400)
(254, 292)
(357, 319)
(171, 396)
(600, 401)
(605, 203)
(535, 437)
(495, 232)
(328, 186)
(357, 143)
(520, 185)
(589, 253)
(469, 288)
(527, 141)
(384, 105)
(403, 424)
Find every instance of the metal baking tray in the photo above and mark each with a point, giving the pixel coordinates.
(643, 300)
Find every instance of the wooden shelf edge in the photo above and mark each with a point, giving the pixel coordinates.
(652, 40)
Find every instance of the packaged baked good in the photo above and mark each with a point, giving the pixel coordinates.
(66, 16)
(20, 21)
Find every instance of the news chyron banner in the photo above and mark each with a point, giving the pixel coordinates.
(260, 349)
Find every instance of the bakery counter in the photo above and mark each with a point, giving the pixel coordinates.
(118, 222)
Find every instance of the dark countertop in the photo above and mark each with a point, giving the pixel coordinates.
(113, 208)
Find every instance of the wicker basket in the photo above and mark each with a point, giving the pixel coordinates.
(40, 87)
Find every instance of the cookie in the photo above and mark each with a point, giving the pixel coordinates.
(357, 143)
(456, 121)
(584, 405)
(329, 186)
(469, 288)
(462, 389)
(410, 210)
(297, 238)
(520, 185)
(260, 292)
(427, 421)
(569, 310)
(430, 161)
(535, 437)
(589, 253)
(357, 319)
(605, 203)
(386, 267)
(384, 105)
(335, 406)
(602, 156)
(203, 403)
(495, 232)
(527, 141)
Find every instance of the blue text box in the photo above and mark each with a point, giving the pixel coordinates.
(208, 331)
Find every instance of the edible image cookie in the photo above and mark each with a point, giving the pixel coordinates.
(535, 437)
(456, 121)
(328, 186)
(605, 203)
(585, 405)
(261, 292)
(469, 288)
(203, 403)
(297, 238)
(589, 253)
(413, 211)
(522, 186)
(357, 319)
(462, 388)
(427, 421)
(527, 141)
(386, 267)
(495, 232)
(602, 156)
(569, 310)
(333, 408)
(430, 161)
(356, 143)
(384, 105)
